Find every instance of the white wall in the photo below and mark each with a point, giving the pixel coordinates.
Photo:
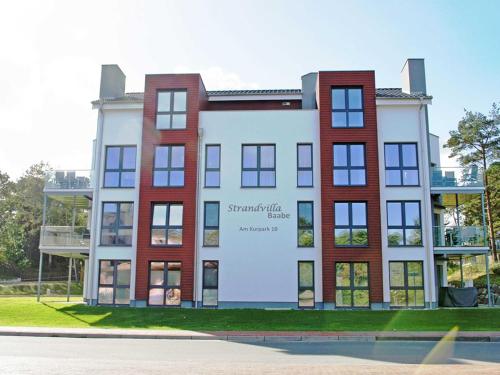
(435, 150)
(260, 266)
(402, 123)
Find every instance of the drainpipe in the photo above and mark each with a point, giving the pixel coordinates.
(197, 215)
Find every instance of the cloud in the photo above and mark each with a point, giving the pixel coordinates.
(216, 78)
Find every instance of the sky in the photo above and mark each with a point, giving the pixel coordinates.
(51, 53)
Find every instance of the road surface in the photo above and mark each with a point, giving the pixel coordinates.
(45, 355)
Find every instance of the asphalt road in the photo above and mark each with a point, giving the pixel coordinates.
(42, 355)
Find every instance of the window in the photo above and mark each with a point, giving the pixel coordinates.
(116, 223)
(212, 166)
(169, 166)
(258, 166)
(210, 293)
(403, 223)
(119, 168)
(349, 168)
(347, 107)
(350, 224)
(401, 164)
(305, 224)
(304, 165)
(171, 109)
(306, 284)
(166, 224)
(406, 284)
(114, 282)
(164, 283)
(352, 285)
(211, 224)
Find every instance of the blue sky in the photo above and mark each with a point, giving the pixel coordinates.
(52, 51)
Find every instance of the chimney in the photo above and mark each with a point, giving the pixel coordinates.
(112, 82)
(413, 77)
(309, 90)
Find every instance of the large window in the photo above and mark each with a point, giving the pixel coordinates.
(352, 285)
(306, 284)
(116, 224)
(258, 166)
(349, 166)
(401, 164)
(304, 165)
(406, 284)
(403, 223)
(166, 224)
(350, 224)
(347, 107)
(119, 168)
(211, 224)
(164, 283)
(305, 224)
(114, 282)
(210, 293)
(169, 166)
(171, 109)
(212, 166)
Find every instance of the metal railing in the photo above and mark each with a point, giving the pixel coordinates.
(64, 236)
(69, 179)
(456, 177)
(454, 236)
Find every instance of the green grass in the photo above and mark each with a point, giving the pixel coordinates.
(53, 312)
(30, 288)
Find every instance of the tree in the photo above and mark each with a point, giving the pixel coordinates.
(477, 142)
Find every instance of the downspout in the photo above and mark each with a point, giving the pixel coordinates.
(427, 198)
(197, 215)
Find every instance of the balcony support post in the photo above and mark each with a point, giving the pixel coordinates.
(39, 285)
(69, 280)
(488, 278)
(461, 271)
(483, 210)
(44, 212)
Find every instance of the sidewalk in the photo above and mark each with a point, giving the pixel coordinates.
(244, 336)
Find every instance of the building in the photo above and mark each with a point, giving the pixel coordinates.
(328, 196)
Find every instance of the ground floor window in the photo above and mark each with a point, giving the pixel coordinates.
(164, 283)
(352, 285)
(406, 284)
(114, 282)
(306, 284)
(210, 293)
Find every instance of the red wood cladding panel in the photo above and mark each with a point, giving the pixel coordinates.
(249, 105)
(196, 101)
(369, 193)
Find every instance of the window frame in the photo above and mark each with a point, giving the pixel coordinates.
(117, 225)
(167, 226)
(171, 112)
(349, 167)
(302, 288)
(401, 168)
(165, 285)
(120, 169)
(350, 226)
(115, 263)
(305, 227)
(403, 225)
(406, 286)
(305, 169)
(169, 167)
(207, 169)
(211, 227)
(258, 169)
(347, 110)
(352, 288)
(204, 287)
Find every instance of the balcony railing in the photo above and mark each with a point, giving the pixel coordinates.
(456, 177)
(64, 236)
(445, 236)
(71, 179)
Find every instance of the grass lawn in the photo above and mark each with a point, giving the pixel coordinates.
(55, 312)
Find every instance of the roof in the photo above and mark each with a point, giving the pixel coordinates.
(384, 93)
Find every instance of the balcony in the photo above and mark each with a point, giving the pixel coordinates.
(456, 179)
(460, 237)
(69, 182)
(64, 239)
